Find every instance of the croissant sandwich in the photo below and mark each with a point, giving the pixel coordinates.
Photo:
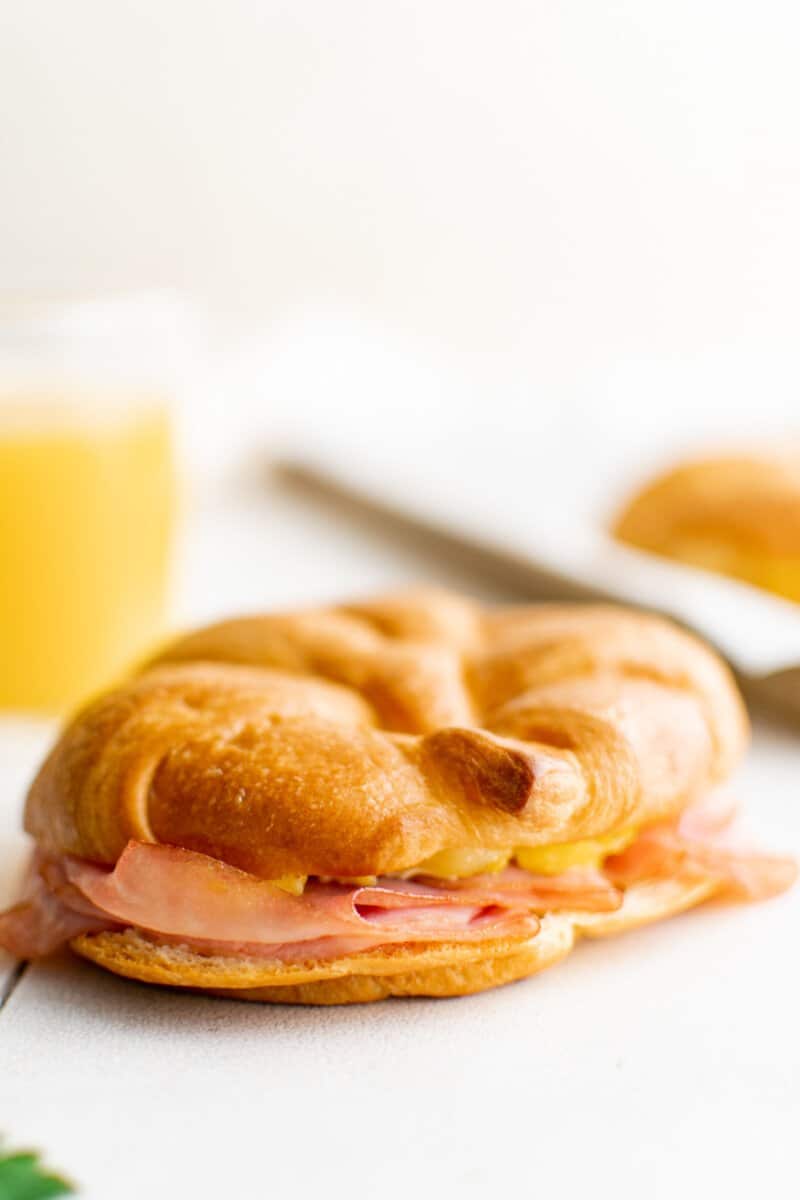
(412, 796)
(738, 516)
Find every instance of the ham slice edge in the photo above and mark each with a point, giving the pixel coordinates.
(183, 896)
(201, 901)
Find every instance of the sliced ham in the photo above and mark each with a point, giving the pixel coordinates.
(174, 891)
(181, 895)
(702, 843)
(580, 889)
(41, 921)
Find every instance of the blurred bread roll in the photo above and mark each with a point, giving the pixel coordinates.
(736, 515)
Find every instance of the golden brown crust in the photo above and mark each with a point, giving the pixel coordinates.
(442, 970)
(130, 952)
(361, 740)
(455, 970)
(736, 515)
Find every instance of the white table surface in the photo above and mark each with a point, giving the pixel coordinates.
(664, 1063)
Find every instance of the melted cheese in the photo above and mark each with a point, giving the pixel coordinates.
(591, 852)
(459, 864)
(454, 864)
(294, 884)
(541, 860)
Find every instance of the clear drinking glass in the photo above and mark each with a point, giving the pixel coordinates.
(87, 491)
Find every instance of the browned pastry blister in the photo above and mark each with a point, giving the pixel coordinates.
(363, 739)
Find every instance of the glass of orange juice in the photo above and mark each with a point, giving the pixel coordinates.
(87, 493)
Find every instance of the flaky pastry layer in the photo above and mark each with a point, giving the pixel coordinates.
(363, 739)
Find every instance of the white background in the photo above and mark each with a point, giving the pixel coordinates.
(581, 206)
(538, 243)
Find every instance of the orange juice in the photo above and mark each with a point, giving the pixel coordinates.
(86, 515)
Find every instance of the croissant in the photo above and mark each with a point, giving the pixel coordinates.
(408, 796)
(737, 516)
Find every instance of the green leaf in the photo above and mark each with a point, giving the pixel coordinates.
(21, 1178)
